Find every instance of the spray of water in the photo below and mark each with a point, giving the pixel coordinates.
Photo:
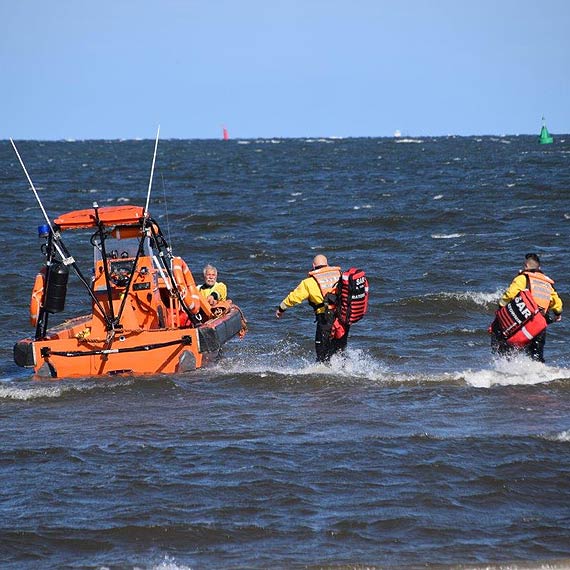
(516, 371)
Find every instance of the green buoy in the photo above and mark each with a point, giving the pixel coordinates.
(545, 136)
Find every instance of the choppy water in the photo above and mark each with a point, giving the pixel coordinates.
(416, 449)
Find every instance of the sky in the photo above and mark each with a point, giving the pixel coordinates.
(116, 69)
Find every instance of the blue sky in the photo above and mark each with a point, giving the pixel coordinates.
(282, 68)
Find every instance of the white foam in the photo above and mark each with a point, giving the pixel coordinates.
(357, 363)
(563, 436)
(353, 363)
(352, 366)
(446, 236)
(37, 389)
(518, 370)
(15, 392)
(170, 564)
(478, 297)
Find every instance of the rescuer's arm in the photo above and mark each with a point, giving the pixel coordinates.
(517, 285)
(298, 295)
(556, 305)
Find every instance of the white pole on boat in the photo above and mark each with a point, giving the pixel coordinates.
(162, 274)
(66, 260)
(32, 185)
(151, 174)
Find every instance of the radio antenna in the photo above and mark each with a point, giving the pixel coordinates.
(151, 173)
(67, 260)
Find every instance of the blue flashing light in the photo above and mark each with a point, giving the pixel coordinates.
(43, 231)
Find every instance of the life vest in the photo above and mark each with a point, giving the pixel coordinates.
(541, 288)
(216, 290)
(37, 296)
(520, 320)
(327, 279)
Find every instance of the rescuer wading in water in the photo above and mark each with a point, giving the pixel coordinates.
(541, 288)
(318, 289)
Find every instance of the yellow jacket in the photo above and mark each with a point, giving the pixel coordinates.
(218, 290)
(520, 283)
(308, 290)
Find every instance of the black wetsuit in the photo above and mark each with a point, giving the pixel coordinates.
(325, 345)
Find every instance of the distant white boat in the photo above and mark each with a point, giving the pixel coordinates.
(397, 133)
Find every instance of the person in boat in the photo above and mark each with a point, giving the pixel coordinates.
(212, 289)
(318, 289)
(530, 278)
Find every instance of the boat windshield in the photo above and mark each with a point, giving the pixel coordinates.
(121, 248)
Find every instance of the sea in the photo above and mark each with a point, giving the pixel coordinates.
(416, 448)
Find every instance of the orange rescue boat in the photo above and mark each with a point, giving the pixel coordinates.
(146, 317)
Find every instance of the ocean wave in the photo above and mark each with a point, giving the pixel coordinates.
(287, 361)
(49, 389)
(463, 299)
(328, 140)
(446, 236)
(37, 391)
(169, 563)
(478, 297)
(563, 436)
(356, 366)
(516, 371)
(291, 364)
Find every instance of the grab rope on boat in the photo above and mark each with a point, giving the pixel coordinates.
(46, 352)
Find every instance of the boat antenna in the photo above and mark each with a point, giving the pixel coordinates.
(67, 260)
(151, 174)
(165, 208)
(32, 185)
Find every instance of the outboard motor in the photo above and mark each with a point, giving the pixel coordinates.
(56, 289)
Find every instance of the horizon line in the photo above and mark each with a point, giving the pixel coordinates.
(254, 138)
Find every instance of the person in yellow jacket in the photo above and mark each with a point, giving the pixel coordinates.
(212, 289)
(542, 289)
(318, 289)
